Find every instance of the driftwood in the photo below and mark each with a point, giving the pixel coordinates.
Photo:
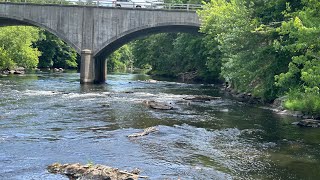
(145, 132)
(93, 172)
(201, 98)
(158, 105)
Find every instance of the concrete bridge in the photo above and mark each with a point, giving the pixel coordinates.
(95, 32)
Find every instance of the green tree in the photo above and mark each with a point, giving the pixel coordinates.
(55, 52)
(244, 33)
(120, 60)
(172, 54)
(300, 36)
(16, 46)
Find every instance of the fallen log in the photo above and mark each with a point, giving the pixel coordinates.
(145, 132)
(92, 172)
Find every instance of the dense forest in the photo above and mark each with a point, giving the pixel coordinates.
(269, 48)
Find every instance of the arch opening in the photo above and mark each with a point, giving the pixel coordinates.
(116, 43)
(126, 37)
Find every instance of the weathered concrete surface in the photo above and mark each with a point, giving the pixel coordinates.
(99, 29)
(87, 67)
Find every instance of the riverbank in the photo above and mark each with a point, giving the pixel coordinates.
(276, 106)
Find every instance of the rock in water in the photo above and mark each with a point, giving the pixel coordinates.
(309, 123)
(158, 105)
(92, 172)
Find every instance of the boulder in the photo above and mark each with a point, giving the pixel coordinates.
(58, 69)
(20, 69)
(92, 172)
(151, 81)
(158, 105)
(12, 71)
(18, 72)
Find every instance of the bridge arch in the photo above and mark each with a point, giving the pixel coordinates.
(114, 43)
(18, 21)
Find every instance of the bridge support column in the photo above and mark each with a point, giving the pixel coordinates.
(87, 67)
(100, 71)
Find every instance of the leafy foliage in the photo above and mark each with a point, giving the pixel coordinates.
(120, 60)
(16, 47)
(248, 59)
(172, 54)
(55, 53)
(269, 48)
(300, 36)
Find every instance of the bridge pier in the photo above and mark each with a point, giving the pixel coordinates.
(100, 71)
(87, 67)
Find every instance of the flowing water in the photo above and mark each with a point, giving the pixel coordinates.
(50, 117)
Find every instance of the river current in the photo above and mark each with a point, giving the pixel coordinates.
(50, 117)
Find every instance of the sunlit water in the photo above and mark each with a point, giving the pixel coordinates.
(47, 118)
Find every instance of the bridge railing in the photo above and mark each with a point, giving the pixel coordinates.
(115, 4)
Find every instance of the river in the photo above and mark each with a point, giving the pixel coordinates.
(50, 117)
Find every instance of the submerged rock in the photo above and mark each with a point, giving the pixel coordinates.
(158, 105)
(92, 172)
(105, 105)
(309, 123)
